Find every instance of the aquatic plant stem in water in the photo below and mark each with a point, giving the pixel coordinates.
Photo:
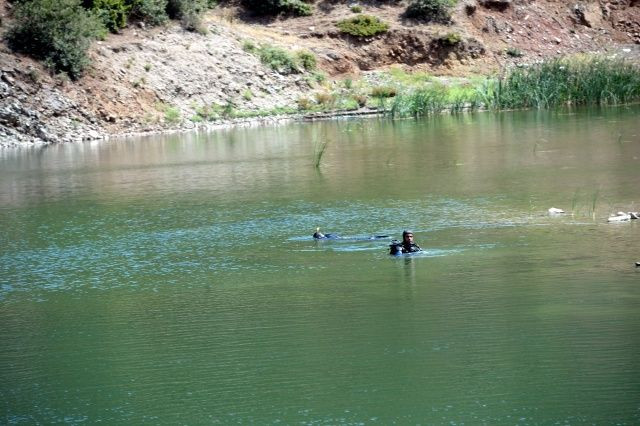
(320, 147)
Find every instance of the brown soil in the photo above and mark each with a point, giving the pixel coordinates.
(538, 29)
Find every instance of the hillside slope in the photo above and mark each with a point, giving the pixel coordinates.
(150, 80)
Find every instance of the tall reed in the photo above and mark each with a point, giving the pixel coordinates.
(559, 82)
(568, 81)
(419, 102)
(320, 147)
(594, 202)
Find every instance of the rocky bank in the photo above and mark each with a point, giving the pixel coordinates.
(147, 80)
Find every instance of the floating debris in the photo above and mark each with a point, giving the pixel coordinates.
(619, 217)
(553, 211)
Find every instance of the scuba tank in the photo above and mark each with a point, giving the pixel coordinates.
(395, 248)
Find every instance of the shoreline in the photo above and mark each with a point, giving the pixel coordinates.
(236, 123)
(90, 135)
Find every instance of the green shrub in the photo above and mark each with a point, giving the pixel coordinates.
(274, 7)
(57, 31)
(282, 60)
(307, 60)
(278, 59)
(296, 7)
(451, 39)
(362, 26)
(262, 7)
(189, 13)
(153, 12)
(430, 10)
(356, 9)
(113, 13)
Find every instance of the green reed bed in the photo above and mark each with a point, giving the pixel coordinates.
(586, 81)
(433, 99)
(560, 82)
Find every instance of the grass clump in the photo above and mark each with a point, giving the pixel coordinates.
(316, 77)
(172, 115)
(307, 60)
(514, 52)
(249, 46)
(451, 39)
(213, 112)
(325, 99)
(409, 78)
(419, 102)
(360, 99)
(356, 8)
(383, 92)
(56, 31)
(430, 10)
(363, 26)
(304, 103)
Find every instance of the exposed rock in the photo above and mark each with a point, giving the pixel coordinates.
(588, 14)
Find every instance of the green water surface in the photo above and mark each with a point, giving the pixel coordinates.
(174, 279)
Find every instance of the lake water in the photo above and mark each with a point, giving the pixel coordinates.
(174, 279)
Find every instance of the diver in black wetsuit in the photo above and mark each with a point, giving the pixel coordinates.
(320, 236)
(406, 246)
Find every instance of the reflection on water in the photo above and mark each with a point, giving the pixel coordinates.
(175, 279)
